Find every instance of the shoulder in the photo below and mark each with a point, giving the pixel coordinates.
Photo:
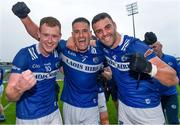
(25, 51)
(170, 57)
(170, 60)
(61, 45)
(133, 43)
(21, 60)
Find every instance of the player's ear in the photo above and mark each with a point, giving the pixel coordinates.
(114, 25)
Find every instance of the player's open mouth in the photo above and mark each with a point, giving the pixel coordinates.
(82, 41)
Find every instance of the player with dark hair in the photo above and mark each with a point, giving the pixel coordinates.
(134, 67)
(33, 78)
(80, 91)
(169, 97)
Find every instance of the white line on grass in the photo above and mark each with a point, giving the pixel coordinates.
(7, 105)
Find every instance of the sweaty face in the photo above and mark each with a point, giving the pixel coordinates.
(105, 30)
(49, 37)
(81, 35)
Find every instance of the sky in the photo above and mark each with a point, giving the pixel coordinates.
(160, 16)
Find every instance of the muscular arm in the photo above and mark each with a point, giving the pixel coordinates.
(165, 74)
(12, 93)
(31, 27)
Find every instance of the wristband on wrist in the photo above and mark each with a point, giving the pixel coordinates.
(102, 102)
(153, 71)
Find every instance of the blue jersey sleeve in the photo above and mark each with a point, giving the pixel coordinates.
(20, 61)
(137, 46)
(99, 45)
(61, 45)
(174, 63)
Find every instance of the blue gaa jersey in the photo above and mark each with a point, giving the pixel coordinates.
(80, 74)
(147, 94)
(171, 61)
(40, 100)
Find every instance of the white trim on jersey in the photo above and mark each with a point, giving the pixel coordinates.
(93, 50)
(81, 66)
(32, 53)
(126, 43)
(55, 53)
(122, 66)
(42, 76)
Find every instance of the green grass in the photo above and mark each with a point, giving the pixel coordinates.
(10, 111)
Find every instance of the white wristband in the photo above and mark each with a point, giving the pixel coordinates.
(102, 102)
(153, 71)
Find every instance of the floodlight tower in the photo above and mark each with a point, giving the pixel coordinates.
(132, 9)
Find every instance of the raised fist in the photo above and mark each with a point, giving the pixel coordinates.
(21, 10)
(138, 63)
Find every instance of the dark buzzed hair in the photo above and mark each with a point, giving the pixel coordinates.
(81, 19)
(100, 16)
(50, 21)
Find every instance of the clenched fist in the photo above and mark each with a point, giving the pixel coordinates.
(26, 81)
(21, 10)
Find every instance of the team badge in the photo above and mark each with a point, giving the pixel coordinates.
(95, 59)
(57, 65)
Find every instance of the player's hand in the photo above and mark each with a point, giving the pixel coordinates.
(104, 118)
(101, 79)
(26, 81)
(107, 73)
(71, 44)
(21, 10)
(138, 63)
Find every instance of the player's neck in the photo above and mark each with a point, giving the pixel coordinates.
(117, 40)
(43, 51)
